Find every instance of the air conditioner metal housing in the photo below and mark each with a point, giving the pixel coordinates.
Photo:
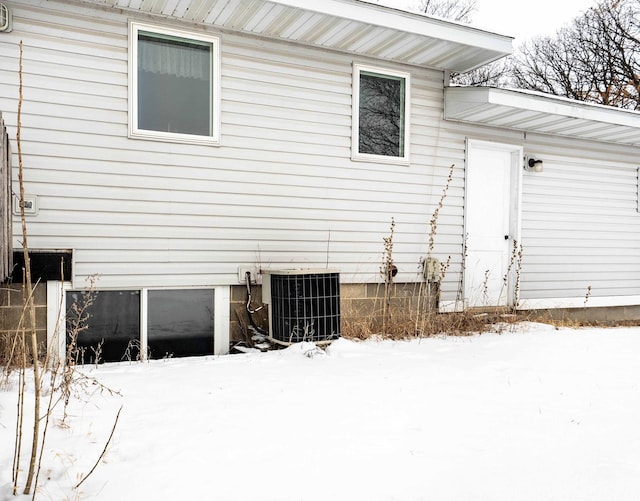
(304, 305)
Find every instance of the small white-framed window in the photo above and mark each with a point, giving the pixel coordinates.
(174, 85)
(380, 130)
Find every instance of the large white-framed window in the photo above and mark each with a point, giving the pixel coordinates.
(380, 130)
(113, 325)
(174, 85)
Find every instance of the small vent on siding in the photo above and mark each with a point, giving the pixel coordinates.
(304, 305)
(5, 18)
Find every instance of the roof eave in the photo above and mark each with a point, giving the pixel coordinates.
(541, 113)
(436, 43)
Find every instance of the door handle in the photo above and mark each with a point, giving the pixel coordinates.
(506, 237)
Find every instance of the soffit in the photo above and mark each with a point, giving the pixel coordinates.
(541, 113)
(352, 26)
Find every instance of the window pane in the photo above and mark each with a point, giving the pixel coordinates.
(174, 84)
(180, 323)
(381, 112)
(107, 324)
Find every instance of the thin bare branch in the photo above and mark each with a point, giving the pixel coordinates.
(104, 451)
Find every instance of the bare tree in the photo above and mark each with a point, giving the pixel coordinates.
(494, 74)
(596, 58)
(456, 10)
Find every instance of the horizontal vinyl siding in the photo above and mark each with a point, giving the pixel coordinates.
(580, 223)
(281, 191)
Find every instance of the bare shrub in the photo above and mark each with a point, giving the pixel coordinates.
(403, 325)
(63, 379)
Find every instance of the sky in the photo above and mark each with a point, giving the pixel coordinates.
(524, 20)
(520, 19)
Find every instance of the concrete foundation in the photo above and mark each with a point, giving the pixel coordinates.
(11, 313)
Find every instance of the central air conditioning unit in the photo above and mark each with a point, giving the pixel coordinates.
(304, 305)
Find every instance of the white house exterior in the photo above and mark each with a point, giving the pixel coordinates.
(273, 176)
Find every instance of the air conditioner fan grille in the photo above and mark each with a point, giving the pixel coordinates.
(305, 307)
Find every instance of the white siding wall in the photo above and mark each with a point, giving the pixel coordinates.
(581, 226)
(281, 191)
(580, 220)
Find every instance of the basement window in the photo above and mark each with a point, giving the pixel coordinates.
(180, 323)
(108, 326)
(104, 324)
(380, 115)
(174, 81)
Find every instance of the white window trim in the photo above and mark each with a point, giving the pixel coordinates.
(355, 114)
(221, 316)
(134, 131)
(57, 321)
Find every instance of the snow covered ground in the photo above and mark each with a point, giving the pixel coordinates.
(532, 414)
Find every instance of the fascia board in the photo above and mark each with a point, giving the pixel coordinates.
(407, 22)
(460, 99)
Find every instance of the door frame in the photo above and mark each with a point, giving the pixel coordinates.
(515, 207)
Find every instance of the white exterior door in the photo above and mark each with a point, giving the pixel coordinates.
(491, 222)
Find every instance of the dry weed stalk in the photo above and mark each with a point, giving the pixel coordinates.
(77, 322)
(20, 413)
(14, 347)
(27, 328)
(50, 406)
(516, 288)
(485, 287)
(388, 270)
(53, 372)
(587, 296)
(104, 451)
(436, 213)
(403, 325)
(65, 380)
(425, 287)
(397, 321)
(514, 270)
(31, 308)
(444, 267)
(463, 267)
